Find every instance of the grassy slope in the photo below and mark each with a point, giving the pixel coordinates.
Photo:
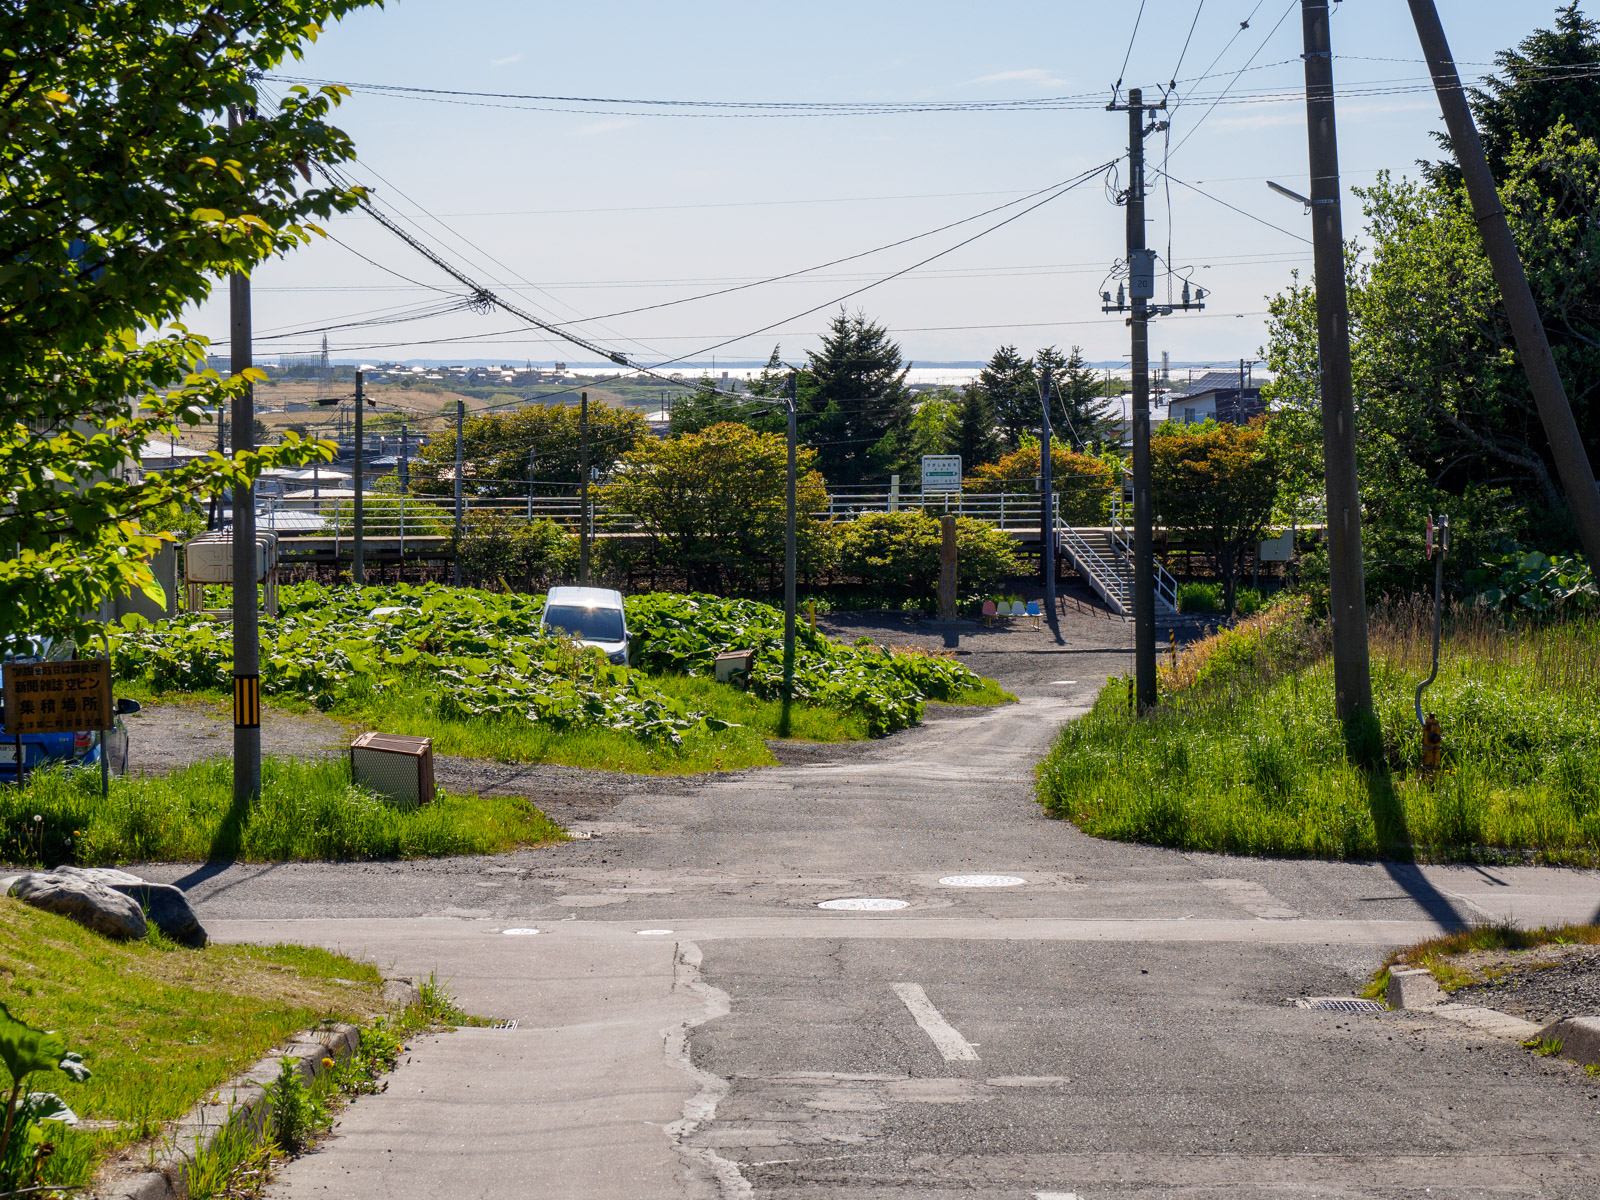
(308, 810)
(1248, 764)
(158, 1025)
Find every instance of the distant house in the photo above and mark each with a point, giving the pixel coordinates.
(1216, 396)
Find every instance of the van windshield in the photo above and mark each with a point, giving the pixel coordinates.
(586, 624)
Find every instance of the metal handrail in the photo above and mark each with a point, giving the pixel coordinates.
(1166, 585)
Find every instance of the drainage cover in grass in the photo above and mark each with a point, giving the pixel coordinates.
(981, 881)
(1339, 1004)
(864, 904)
(519, 932)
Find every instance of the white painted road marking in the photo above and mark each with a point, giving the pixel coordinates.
(1055, 1196)
(520, 932)
(981, 881)
(949, 1043)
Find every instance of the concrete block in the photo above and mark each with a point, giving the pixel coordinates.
(1580, 1038)
(401, 993)
(1413, 987)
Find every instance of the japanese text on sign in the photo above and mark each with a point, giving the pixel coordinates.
(57, 697)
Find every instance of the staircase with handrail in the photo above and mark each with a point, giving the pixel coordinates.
(1104, 557)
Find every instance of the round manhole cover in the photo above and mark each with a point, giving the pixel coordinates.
(654, 932)
(519, 932)
(864, 904)
(981, 881)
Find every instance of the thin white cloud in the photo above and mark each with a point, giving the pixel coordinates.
(506, 61)
(594, 128)
(1036, 75)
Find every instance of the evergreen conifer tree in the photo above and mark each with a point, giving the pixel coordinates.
(854, 405)
(1076, 408)
(1009, 383)
(977, 438)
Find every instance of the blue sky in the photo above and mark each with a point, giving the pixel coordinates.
(592, 212)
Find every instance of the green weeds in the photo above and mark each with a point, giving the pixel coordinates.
(1244, 754)
(307, 810)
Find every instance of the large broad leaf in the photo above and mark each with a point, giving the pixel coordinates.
(45, 1106)
(25, 1049)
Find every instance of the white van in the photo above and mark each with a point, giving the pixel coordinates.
(591, 616)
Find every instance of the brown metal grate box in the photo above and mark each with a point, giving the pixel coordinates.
(399, 768)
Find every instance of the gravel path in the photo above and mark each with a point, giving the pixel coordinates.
(1541, 985)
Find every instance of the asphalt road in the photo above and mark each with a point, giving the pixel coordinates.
(1121, 1023)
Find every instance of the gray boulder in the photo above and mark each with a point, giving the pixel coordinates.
(166, 906)
(90, 904)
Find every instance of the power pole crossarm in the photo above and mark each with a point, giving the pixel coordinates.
(1527, 327)
(1347, 604)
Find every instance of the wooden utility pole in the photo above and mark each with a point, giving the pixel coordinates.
(461, 416)
(1347, 603)
(790, 552)
(1047, 503)
(1527, 327)
(357, 566)
(246, 633)
(583, 489)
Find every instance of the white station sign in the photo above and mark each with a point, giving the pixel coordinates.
(941, 472)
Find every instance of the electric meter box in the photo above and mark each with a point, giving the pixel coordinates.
(1141, 274)
(209, 558)
(397, 767)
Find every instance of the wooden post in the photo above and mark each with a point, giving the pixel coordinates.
(947, 569)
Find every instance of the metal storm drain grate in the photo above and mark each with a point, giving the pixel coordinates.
(1340, 1004)
(511, 1024)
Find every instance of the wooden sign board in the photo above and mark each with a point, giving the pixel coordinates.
(57, 697)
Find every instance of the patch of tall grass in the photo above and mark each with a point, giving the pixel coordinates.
(1245, 755)
(307, 811)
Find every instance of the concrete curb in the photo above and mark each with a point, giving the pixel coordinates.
(1580, 1038)
(243, 1098)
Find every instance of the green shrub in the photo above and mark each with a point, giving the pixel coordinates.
(506, 552)
(1199, 597)
(898, 553)
(1247, 602)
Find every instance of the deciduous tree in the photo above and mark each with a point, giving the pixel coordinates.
(713, 503)
(1216, 484)
(126, 192)
(496, 448)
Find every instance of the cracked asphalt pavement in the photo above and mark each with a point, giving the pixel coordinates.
(1119, 1023)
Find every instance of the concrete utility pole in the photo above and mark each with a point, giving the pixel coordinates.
(461, 416)
(583, 489)
(790, 553)
(1347, 603)
(531, 453)
(1141, 289)
(1527, 327)
(246, 634)
(357, 567)
(1047, 507)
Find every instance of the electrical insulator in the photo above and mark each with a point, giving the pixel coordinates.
(1122, 295)
(1186, 293)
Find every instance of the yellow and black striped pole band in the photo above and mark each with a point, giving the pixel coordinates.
(247, 701)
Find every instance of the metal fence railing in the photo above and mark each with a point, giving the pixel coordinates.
(388, 515)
